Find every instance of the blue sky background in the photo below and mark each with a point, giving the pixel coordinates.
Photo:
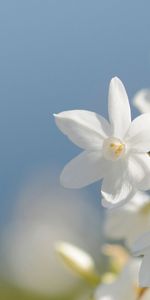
(58, 55)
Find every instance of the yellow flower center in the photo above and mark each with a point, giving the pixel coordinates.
(113, 148)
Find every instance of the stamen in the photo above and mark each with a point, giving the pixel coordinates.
(113, 148)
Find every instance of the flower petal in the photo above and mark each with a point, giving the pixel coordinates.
(137, 202)
(142, 244)
(139, 171)
(84, 128)
(144, 275)
(84, 169)
(116, 187)
(130, 214)
(138, 136)
(118, 108)
(122, 288)
(115, 219)
(141, 100)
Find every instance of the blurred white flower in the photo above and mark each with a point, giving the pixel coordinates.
(125, 287)
(141, 100)
(115, 151)
(43, 215)
(142, 247)
(129, 221)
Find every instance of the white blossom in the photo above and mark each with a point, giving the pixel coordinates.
(142, 247)
(114, 151)
(129, 221)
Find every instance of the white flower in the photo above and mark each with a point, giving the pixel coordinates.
(129, 221)
(125, 287)
(142, 247)
(115, 151)
(141, 100)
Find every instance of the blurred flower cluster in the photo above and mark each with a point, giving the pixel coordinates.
(116, 151)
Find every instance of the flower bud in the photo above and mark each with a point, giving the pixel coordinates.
(78, 261)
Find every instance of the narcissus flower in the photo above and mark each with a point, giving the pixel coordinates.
(129, 221)
(142, 247)
(114, 150)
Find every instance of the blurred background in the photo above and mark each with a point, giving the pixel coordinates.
(56, 55)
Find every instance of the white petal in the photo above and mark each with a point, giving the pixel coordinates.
(84, 128)
(114, 225)
(138, 136)
(130, 214)
(142, 244)
(123, 287)
(139, 170)
(105, 292)
(144, 275)
(118, 108)
(116, 187)
(141, 100)
(84, 169)
(137, 202)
